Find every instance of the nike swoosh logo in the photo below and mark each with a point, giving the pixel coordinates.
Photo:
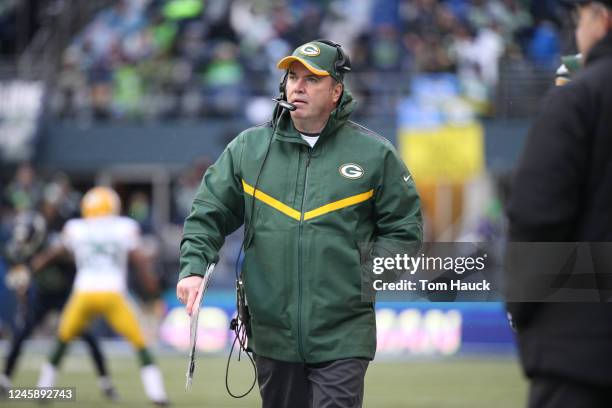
(406, 178)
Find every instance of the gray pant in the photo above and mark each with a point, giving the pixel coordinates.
(333, 384)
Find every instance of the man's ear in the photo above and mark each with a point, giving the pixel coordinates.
(337, 91)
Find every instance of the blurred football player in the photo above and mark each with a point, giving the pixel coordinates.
(40, 294)
(102, 243)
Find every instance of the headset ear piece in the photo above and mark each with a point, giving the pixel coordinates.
(343, 62)
(346, 66)
(282, 86)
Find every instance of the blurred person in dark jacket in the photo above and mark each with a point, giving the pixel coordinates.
(563, 193)
(25, 190)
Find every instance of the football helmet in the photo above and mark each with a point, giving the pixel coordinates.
(99, 202)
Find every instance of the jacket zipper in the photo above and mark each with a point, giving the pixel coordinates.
(300, 344)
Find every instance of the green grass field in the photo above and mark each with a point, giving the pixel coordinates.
(453, 383)
(474, 382)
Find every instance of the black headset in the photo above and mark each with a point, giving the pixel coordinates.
(343, 62)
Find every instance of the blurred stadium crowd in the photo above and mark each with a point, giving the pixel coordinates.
(160, 59)
(58, 200)
(166, 59)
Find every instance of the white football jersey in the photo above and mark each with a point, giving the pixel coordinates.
(101, 246)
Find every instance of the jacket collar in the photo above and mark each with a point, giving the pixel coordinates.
(602, 49)
(286, 132)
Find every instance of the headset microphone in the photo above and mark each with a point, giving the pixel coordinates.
(285, 105)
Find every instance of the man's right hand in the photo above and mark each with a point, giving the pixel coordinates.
(187, 291)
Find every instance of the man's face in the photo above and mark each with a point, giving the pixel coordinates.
(314, 96)
(593, 23)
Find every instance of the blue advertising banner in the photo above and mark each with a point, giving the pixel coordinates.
(404, 329)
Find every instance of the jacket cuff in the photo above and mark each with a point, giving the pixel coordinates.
(192, 270)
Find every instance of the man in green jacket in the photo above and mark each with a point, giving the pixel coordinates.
(311, 187)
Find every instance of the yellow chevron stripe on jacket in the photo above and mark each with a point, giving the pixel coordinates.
(295, 214)
(338, 205)
(271, 201)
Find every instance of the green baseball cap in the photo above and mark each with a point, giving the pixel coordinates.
(319, 58)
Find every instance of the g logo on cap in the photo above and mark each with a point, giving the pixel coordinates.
(351, 171)
(310, 50)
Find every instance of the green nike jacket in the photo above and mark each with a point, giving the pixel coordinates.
(313, 208)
